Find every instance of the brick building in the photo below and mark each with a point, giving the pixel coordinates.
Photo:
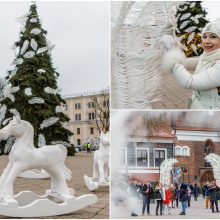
(184, 136)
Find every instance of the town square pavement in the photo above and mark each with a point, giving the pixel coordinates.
(79, 164)
(197, 210)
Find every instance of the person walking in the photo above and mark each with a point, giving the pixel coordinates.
(88, 148)
(177, 194)
(213, 195)
(207, 196)
(183, 198)
(159, 198)
(146, 196)
(172, 195)
(195, 191)
(167, 201)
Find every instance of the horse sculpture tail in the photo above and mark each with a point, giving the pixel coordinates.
(67, 172)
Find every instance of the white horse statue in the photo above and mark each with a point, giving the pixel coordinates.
(24, 156)
(100, 164)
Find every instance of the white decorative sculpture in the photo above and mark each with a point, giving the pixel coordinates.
(34, 174)
(165, 170)
(100, 166)
(24, 156)
(214, 160)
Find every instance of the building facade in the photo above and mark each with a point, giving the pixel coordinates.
(183, 139)
(81, 111)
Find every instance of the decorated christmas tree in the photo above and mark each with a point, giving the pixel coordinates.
(31, 89)
(190, 22)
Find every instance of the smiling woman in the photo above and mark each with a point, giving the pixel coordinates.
(205, 82)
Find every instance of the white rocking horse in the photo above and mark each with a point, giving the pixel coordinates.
(100, 165)
(24, 156)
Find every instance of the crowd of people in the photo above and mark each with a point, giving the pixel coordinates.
(173, 196)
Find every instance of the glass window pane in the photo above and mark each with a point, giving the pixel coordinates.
(142, 158)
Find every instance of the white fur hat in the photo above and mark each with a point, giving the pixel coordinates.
(213, 27)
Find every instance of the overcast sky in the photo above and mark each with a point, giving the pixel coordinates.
(80, 31)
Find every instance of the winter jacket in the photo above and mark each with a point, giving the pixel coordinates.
(167, 197)
(182, 195)
(204, 82)
(213, 193)
(158, 194)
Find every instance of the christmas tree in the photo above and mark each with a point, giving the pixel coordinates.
(32, 88)
(190, 22)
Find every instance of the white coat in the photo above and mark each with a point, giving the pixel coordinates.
(203, 82)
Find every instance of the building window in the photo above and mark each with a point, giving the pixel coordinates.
(91, 104)
(78, 142)
(178, 151)
(91, 130)
(160, 156)
(142, 157)
(182, 151)
(91, 116)
(78, 117)
(185, 151)
(77, 106)
(78, 130)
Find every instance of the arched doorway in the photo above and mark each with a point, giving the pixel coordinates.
(207, 176)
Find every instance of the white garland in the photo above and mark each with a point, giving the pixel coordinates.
(3, 109)
(41, 71)
(190, 29)
(33, 20)
(42, 49)
(41, 140)
(28, 91)
(36, 100)
(196, 20)
(185, 16)
(62, 143)
(34, 44)
(24, 46)
(13, 72)
(17, 61)
(29, 54)
(192, 5)
(48, 122)
(61, 108)
(190, 38)
(51, 90)
(8, 90)
(35, 31)
(184, 24)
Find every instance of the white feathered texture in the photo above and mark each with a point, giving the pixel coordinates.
(28, 91)
(9, 90)
(41, 140)
(48, 122)
(61, 142)
(3, 109)
(170, 58)
(214, 160)
(135, 69)
(36, 100)
(15, 112)
(24, 46)
(165, 170)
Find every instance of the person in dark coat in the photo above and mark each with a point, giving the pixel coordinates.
(146, 196)
(183, 198)
(213, 196)
(159, 198)
(176, 195)
(195, 191)
(207, 195)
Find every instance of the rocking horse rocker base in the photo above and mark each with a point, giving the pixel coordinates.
(29, 204)
(93, 185)
(34, 174)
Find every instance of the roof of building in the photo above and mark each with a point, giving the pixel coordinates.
(84, 94)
